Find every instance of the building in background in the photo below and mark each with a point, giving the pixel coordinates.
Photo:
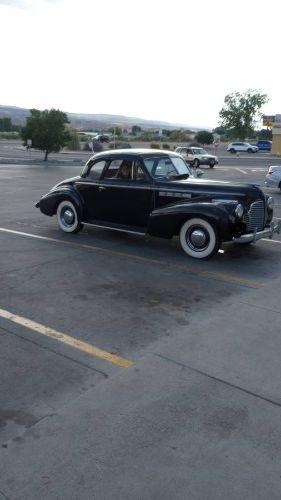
(276, 135)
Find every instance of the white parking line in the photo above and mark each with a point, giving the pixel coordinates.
(231, 167)
(217, 275)
(271, 241)
(242, 171)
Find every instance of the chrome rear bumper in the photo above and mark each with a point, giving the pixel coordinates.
(275, 227)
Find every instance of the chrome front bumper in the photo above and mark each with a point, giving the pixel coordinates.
(275, 227)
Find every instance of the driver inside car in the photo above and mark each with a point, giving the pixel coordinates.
(125, 170)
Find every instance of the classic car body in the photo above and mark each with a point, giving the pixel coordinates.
(160, 196)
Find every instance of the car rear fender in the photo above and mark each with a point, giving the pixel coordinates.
(49, 202)
(166, 222)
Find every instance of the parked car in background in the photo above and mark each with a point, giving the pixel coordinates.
(197, 156)
(102, 138)
(154, 192)
(235, 147)
(273, 177)
(264, 145)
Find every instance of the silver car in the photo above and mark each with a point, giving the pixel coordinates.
(273, 177)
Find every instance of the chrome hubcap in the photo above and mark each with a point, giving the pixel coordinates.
(197, 238)
(68, 217)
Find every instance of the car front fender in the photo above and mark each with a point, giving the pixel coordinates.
(49, 202)
(167, 221)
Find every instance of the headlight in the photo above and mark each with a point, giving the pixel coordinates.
(239, 210)
(270, 203)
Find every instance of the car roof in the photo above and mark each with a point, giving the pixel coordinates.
(138, 152)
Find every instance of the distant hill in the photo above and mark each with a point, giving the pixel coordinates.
(98, 121)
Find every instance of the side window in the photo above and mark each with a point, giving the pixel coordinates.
(164, 168)
(119, 170)
(112, 169)
(96, 169)
(138, 172)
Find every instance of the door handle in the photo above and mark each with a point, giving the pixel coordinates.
(101, 188)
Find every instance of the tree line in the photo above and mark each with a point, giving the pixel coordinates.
(49, 130)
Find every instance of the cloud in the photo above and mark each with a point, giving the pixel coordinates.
(24, 4)
(13, 3)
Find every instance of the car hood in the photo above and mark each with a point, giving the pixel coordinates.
(206, 188)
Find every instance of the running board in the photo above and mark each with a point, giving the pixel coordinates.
(112, 228)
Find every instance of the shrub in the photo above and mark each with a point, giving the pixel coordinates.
(84, 138)
(166, 146)
(120, 145)
(204, 137)
(154, 145)
(9, 135)
(74, 142)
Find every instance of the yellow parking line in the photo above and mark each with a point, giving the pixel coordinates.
(66, 339)
(185, 267)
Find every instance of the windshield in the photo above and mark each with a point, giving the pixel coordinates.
(199, 151)
(166, 166)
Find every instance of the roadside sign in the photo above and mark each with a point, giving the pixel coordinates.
(268, 120)
(29, 143)
(216, 144)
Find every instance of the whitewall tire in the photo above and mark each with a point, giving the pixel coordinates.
(68, 218)
(199, 238)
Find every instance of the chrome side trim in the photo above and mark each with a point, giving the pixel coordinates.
(113, 228)
(104, 185)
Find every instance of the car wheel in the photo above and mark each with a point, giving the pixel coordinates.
(196, 163)
(199, 238)
(212, 164)
(232, 151)
(68, 218)
(250, 150)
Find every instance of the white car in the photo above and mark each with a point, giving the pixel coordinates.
(235, 147)
(197, 156)
(273, 177)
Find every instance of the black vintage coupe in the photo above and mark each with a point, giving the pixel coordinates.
(154, 192)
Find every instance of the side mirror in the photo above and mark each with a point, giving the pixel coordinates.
(198, 172)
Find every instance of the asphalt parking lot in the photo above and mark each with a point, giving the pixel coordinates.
(128, 370)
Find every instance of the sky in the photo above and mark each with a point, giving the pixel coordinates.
(173, 61)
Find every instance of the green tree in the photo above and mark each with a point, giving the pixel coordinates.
(204, 137)
(240, 111)
(179, 136)
(74, 142)
(5, 124)
(136, 129)
(265, 134)
(115, 130)
(47, 130)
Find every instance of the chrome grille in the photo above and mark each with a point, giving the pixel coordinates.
(254, 219)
